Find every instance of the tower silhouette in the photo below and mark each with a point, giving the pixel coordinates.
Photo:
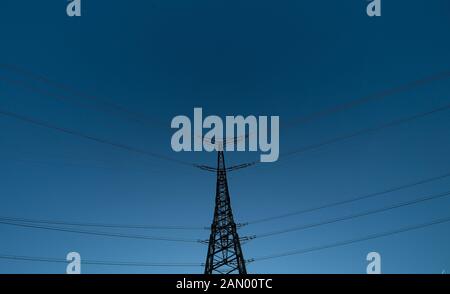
(224, 250)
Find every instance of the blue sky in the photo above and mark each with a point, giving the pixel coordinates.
(162, 59)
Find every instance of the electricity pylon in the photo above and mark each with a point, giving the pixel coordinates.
(224, 251)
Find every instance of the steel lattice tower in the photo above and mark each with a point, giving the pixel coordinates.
(224, 251)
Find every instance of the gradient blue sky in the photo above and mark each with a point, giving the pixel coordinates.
(163, 58)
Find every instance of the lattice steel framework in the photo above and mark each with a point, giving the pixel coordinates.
(224, 251)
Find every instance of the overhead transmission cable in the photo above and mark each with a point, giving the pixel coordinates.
(368, 130)
(337, 108)
(351, 216)
(99, 262)
(321, 113)
(351, 241)
(106, 106)
(114, 144)
(92, 138)
(101, 225)
(347, 201)
(99, 233)
(357, 133)
(376, 96)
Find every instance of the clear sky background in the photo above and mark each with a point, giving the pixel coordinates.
(163, 58)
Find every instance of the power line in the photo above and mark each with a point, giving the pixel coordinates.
(70, 163)
(92, 138)
(350, 136)
(350, 200)
(352, 216)
(98, 262)
(106, 105)
(104, 234)
(367, 130)
(318, 114)
(377, 96)
(352, 241)
(102, 225)
(357, 134)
